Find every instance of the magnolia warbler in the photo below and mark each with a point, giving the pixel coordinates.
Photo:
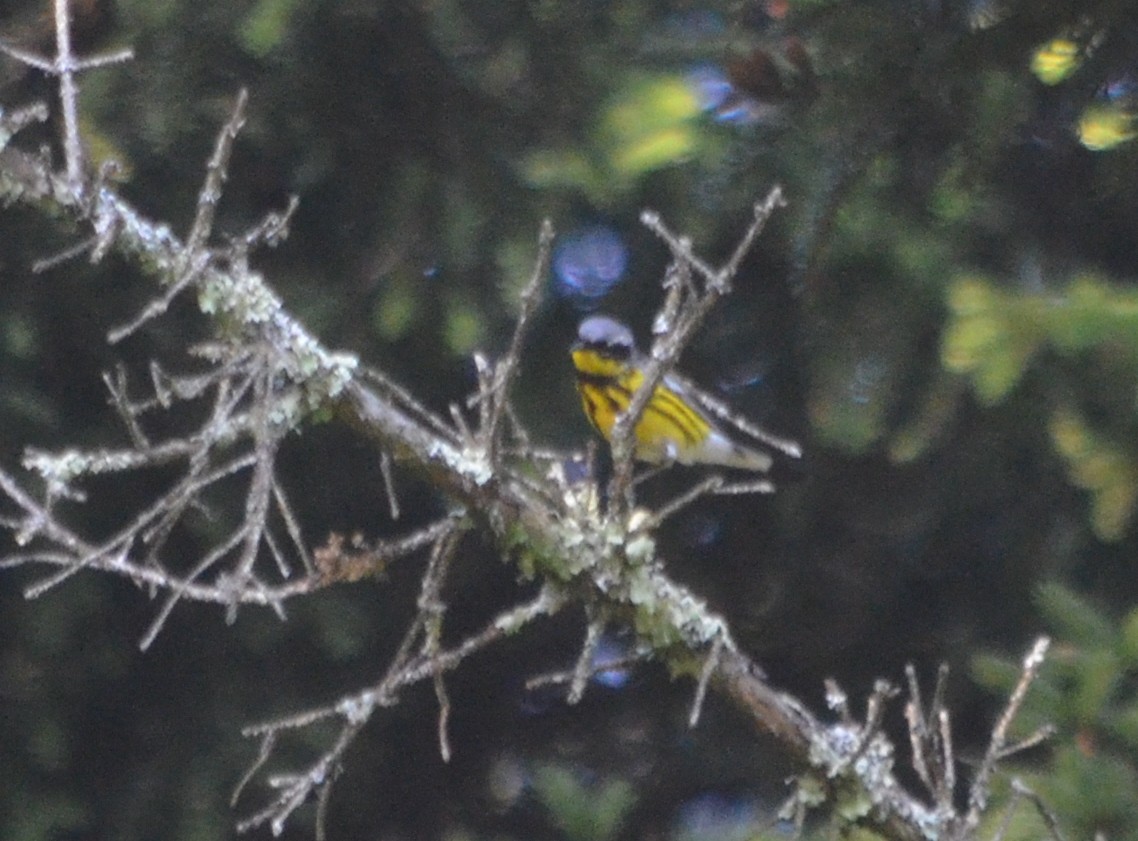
(680, 423)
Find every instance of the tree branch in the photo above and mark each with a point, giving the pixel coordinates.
(269, 375)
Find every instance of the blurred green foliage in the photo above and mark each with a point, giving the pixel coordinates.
(1107, 469)
(649, 124)
(1087, 691)
(583, 812)
(993, 336)
(267, 25)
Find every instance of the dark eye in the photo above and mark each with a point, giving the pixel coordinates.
(617, 350)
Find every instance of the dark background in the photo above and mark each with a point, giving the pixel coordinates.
(942, 315)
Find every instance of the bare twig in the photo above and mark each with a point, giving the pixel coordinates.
(594, 629)
(389, 484)
(216, 173)
(883, 691)
(196, 256)
(118, 388)
(1050, 821)
(431, 608)
(596, 668)
(292, 526)
(217, 553)
(930, 736)
(12, 122)
(403, 398)
(268, 742)
(1038, 737)
(704, 488)
(682, 314)
(714, 485)
(159, 305)
(979, 791)
(710, 664)
(718, 280)
(948, 776)
(270, 231)
(357, 709)
(322, 801)
(45, 264)
(505, 370)
(65, 66)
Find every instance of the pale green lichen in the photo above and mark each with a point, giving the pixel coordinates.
(833, 753)
(668, 613)
(330, 375)
(641, 586)
(469, 462)
(640, 549)
(809, 793)
(286, 411)
(244, 296)
(853, 804)
(358, 708)
(863, 775)
(59, 470)
(580, 547)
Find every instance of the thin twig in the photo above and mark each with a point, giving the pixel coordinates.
(948, 763)
(292, 526)
(978, 793)
(156, 307)
(65, 65)
(431, 607)
(667, 347)
(406, 401)
(68, 97)
(218, 552)
(930, 735)
(216, 173)
(1041, 735)
(357, 709)
(270, 231)
(597, 667)
(883, 691)
(585, 657)
(14, 121)
(322, 801)
(268, 742)
(118, 387)
(389, 484)
(45, 264)
(1049, 818)
(708, 486)
(710, 664)
(505, 370)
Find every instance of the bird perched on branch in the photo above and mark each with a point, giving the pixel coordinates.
(680, 423)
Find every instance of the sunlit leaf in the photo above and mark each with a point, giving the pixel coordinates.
(1056, 60)
(1103, 126)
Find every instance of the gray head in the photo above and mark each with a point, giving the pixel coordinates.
(601, 333)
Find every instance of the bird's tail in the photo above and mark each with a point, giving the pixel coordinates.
(720, 450)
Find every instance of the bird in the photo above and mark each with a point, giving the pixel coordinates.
(680, 424)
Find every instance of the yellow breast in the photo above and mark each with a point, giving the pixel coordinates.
(669, 429)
